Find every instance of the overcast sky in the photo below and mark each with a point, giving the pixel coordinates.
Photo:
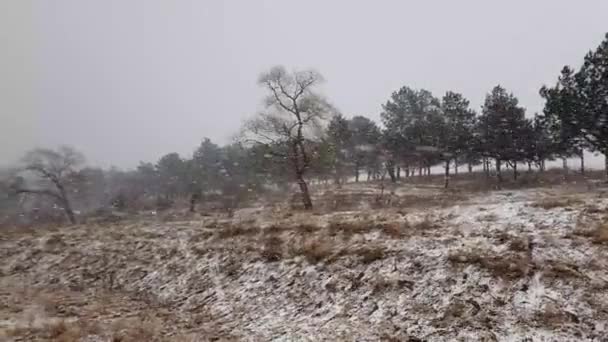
(130, 80)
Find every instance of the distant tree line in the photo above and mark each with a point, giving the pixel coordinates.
(299, 137)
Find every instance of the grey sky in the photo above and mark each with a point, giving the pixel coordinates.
(130, 80)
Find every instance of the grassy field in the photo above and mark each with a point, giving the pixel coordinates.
(411, 262)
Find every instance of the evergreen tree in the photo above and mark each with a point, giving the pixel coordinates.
(502, 128)
(592, 85)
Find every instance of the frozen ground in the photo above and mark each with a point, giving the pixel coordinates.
(502, 266)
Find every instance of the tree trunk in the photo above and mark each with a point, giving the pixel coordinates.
(529, 166)
(486, 167)
(515, 170)
(455, 166)
(606, 164)
(420, 171)
(357, 174)
(582, 156)
(306, 201)
(390, 168)
(447, 173)
(68, 211)
(498, 173)
(565, 167)
(407, 171)
(470, 168)
(398, 172)
(192, 202)
(428, 170)
(65, 203)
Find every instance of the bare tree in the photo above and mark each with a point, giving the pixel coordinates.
(293, 117)
(50, 173)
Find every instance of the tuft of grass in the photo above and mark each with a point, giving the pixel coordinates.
(236, 230)
(273, 249)
(601, 234)
(370, 254)
(274, 229)
(552, 203)
(598, 235)
(510, 266)
(394, 230)
(349, 228)
(426, 224)
(314, 251)
(306, 228)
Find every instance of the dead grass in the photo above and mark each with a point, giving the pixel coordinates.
(559, 269)
(393, 230)
(313, 250)
(368, 255)
(236, 231)
(554, 317)
(598, 234)
(382, 285)
(552, 203)
(273, 249)
(305, 228)
(510, 266)
(349, 228)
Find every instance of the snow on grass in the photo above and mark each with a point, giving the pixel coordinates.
(494, 266)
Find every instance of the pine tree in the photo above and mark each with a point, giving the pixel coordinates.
(339, 138)
(501, 126)
(592, 86)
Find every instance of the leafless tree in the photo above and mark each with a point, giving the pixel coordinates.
(293, 118)
(50, 173)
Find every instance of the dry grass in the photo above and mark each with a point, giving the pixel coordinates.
(313, 250)
(601, 234)
(273, 249)
(598, 234)
(558, 269)
(552, 203)
(306, 228)
(510, 266)
(349, 228)
(394, 230)
(382, 285)
(368, 255)
(554, 317)
(236, 231)
(53, 330)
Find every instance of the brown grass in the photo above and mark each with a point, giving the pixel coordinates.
(552, 203)
(598, 234)
(509, 266)
(306, 228)
(273, 249)
(236, 231)
(552, 316)
(349, 228)
(370, 254)
(314, 250)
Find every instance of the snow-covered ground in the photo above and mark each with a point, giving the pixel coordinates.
(500, 266)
